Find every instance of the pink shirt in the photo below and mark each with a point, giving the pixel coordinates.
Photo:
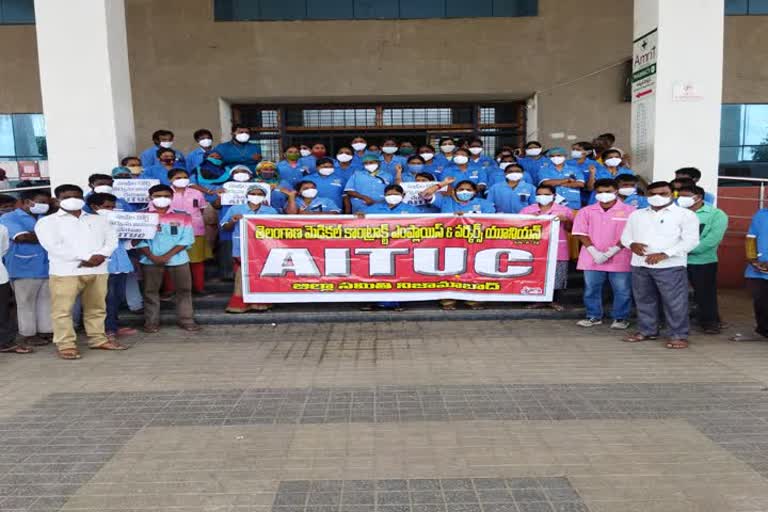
(191, 201)
(604, 228)
(562, 244)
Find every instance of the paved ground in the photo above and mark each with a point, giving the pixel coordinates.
(515, 416)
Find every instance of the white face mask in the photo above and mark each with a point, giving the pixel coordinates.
(103, 189)
(166, 144)
(514, 176)
(558, 160)
(460, 159)
(72, 204)
(544, 200)
(533, 151)
(447, 148)
(344, 158)
(504, 165)
(254, 199)
(576, 154)
(162, 202)
(309, 193)
(240, 176)
(181, 183)
(359, 146)
(371, 167)
(627, 191)
(39, 208)
(605, 197)
(205, 143)
(243, 137)
(475, 151)
(427, 156)
(103, 212)
(305, 152)
(659, 201)
(613, 162)
(685, 201)
(389, 150)
(325, 171)
(393, 200)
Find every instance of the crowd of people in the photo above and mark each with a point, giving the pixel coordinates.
(65, 263)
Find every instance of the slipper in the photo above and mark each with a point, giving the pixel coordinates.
(638, 337)
(677, 344)
(68, 353)
(151, 329)
(17, 349)
(110, 345)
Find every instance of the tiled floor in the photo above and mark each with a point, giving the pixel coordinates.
(389, 417)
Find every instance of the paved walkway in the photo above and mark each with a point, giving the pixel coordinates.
(390, 417)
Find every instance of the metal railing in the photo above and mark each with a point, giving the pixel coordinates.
(762, 184)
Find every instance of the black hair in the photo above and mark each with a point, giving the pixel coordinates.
(124, 161)
(199, 133)
(304, 182)
(428, 175)
(428, 146)
(7, 199)
(176, 170)
(699, 191)
(446, 139)
(586, 146)
(162, 133)
(691, 172)
(324, 160)
(237, 126)
(462, 182)
(688, 188)
(608, 136)
(289, 146)
(627, 178)
(67, 187)
(164, 150)
(514, 165)
(533, 143)
(159, 188)
(683, 182)
(99, 199)
(508, 155)
(660, 184)
(463, 150)
(610, 150)
(415, 157)
(388, 139)
(606, 182)
(95, 177)
(476, 139)
(546, 187)
(29, 195)
(396, 188)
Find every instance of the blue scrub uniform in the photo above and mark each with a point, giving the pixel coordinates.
(603, 173)
(497, 176)
(149, 158)
(484, 162)
(758, 229)
(318, 205)
(156, 172)
(120, 205)
(234, 153)
(24, 261)
(635, 200)
(241, 209)
(435, 169)
(442, 161)
(447, 204)
(195, 158)
(476, 175)
(367, 184)
(511, 200)
(389, 167)
(331, 187)
(533, 167)
(572, 195)
(349, 171)
(385, 208)
(291, 174)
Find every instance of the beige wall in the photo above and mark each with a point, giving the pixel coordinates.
(182, 63)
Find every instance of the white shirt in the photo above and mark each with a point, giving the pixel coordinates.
(672, 230)
(4, 244)
(71, 240)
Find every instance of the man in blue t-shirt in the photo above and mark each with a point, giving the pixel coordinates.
(757, 275)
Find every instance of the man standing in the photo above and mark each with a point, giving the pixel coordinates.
(7, 332)
(162, 139)
(78, 245)
(660, 237)
(599, 227)
(702, 261)
(240, 150)
(757, 275)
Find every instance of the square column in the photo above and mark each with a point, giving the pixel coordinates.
(677, 81)
(86, 86)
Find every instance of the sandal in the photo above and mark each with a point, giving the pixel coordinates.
(17, 349)
(677, 344)
(190, 327)
(557, 306)
(151, 329)
(68, 353)
(638, 337)
(110, 345)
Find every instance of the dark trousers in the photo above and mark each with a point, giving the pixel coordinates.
(759, 289)
(7, 331)
(115, 297)
(182, 281)
(665, 286)
(224, 259)
(703, 279)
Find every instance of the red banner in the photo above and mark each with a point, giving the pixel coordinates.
(398, 258)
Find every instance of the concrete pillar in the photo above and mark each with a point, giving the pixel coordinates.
(677, 88)
(86, 86)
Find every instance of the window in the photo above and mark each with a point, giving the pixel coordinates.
(746, 7)
(17, 12)
(744, 140)
(271, 10)
(22, 137)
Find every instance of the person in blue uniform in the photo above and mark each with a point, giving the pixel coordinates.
(162, 139)
(406, 149)
(359, 146)
(289, 167)
(628, 192)
(478, 158)
(534, 160)
(209, 174)
(447, 146)
(462, 198)
(427, 153)
(756, 246)
(568, 181)
(309, 162)
(389, 159)
(413, 167)
(515, 193)
(266, 172)
(460, 170)
(240, 150)
(366, 187)
(304, 200)
(204, 139)
(328, 180)
(167, 159)
(612, 166)
(582, 157)
(345, 162)
(694, 174)
(102, 184)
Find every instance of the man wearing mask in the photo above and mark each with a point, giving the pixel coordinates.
(132, 163)
(702, 260)
(328, 181)
(756, 245)
(240, 150)
(162, 139)
(695, 175)
(478, 159)
(160, 171)
(390, 161)
(7, 333)
(366, 188)
(660, 238)
(78, 246)
(514, 193)
(569, 181)
(102, 184)
(204, 139)
(27, 264)
(359, 145)
(533, 160)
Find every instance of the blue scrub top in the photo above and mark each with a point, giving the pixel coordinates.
(120, 205)
(572, 195)
(241, 209)
(759, 229)
(475, 175)
(318, 205)
(533, 167)
(603, 173)
(511, 200)
(385, 208)
(148, 158)
(195, 158)
(369, 185)
(441, 160)
(349, 171)
(635, 200)
(309, 163)
(24, 261)
(389, 167)
(119, 262)
(234, 153)
(290, 174)
(331, 187)
(447, 204)
(156, 172)
(483, 162)
(435, 169)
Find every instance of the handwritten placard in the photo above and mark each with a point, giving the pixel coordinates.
(236, 191)
(133, 191)
(414, 189)
(133, 225)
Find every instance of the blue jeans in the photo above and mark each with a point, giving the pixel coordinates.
(115, 297)
(621, 284)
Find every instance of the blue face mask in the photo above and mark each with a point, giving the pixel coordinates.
(465, 195)
(414, 168)
(215, 161)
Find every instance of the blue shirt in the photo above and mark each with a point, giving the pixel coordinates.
(24, 261)
(709, 198)
(635, 200)
(496, 175)
(291, 175)
(242, 209)
(389, 167)
(511, 200)
(195, 158)
(369, 185)
(448, 204)
(120, 205)
(149, 158)
(119, 262)
(603, 173)
(483, 162)
(584, 166)
(441, 160)
(435, 169)
(759, 229)
(572, 195)
(330, 187)
(533, 167)
(318, 205)
(156, 172)
(234, 153)
(349, 171)
(309, 163)
(397, 210)
(476, 175)
(175, 229)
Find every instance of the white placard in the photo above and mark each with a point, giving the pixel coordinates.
(133, 191)
(414, 189)
(236, 191)
(133, 225)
